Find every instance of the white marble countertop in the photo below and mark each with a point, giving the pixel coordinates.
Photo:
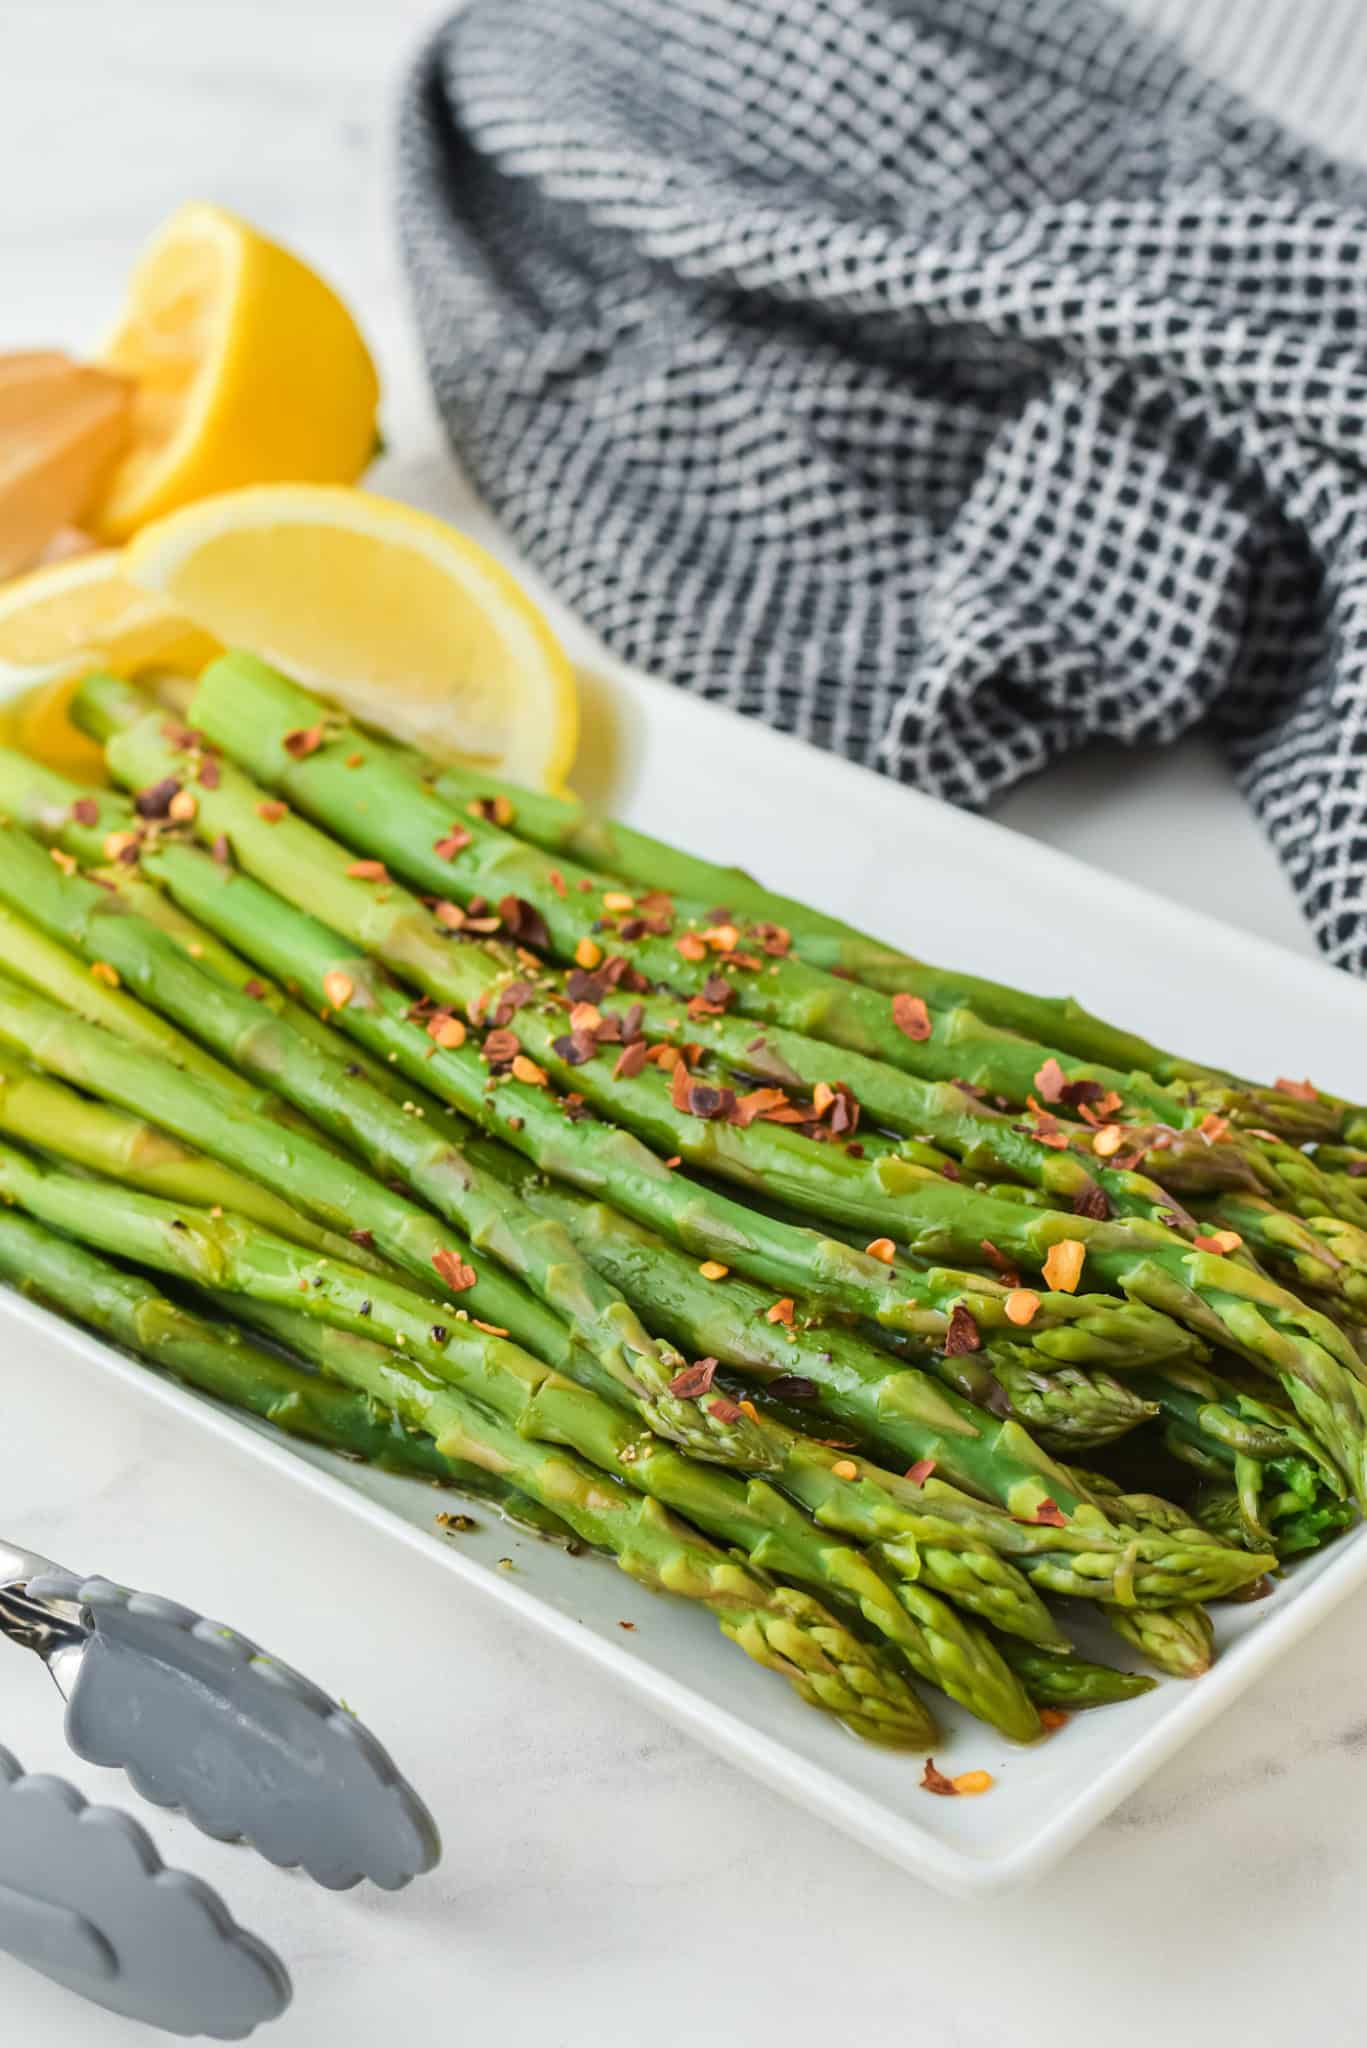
(605, 1879)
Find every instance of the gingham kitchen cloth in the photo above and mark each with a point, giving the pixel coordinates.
(947, 381)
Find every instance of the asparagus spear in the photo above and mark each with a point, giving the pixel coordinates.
(226, 1253)
(1316, 1365)
(37, 1111)
(324, 1084)
(892, 1407)
(252, 711)
(812, 1473)
(863, 1507)
(1323, 1257)
(1277, 1469)
(130, 1310)
(1179, 1640)
(563, 825)
(285, 940)
(1070, 1682)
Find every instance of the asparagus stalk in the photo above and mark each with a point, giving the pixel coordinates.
(561, 825)
(864, 1507)
(1324, 1256)
(895, 1408)
(40, 1112)
(90, 825)
(216, 1359)
(1316, 1365)
(1071, 1682)
(324, 1084)
(534, 1401)
(284, 939)
(1277, 1469)
(252, 712)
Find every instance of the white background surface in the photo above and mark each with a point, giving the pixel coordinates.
(605, 1880)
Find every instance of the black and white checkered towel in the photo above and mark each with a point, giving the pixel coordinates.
(947, 381)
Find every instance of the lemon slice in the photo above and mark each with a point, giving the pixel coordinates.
(246, 367)
(403, 620)
(57, 624)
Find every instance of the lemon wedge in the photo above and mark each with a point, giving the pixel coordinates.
(56, 624)
(402, 619)
(245, 367)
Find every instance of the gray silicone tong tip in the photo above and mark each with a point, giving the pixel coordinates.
(86, 1900)
(203, 1721)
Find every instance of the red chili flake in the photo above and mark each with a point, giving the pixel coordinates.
(557, 882)
(694, 1379)
(680, 1087)
(1077, 1093)
(844, 1112)
(920, 1471)
(210, 774)
(254, 988)
(575, 1048)
(1050, 1515)
(454, 1271)
(1299, 1091)
(724, 1410)
(1221, 1241)
(911, 1016)
(304, 740)
(934, 1780)
(963, 1333)
(364, 1238)
(711, 1104)
(781, 1311)
(760, 1102)
(454, 842)
(449, 914)
(1045, 1129)
(368, 871)
(1212, 1127)
(631, 1023)
(614, 970)
(583, 987)
(85, 811)
(272, 810)
(1051, 1081)
(523, 921)
(501, 1047)
(774, 938)
(630, 1060)
(1356, 1168)
(220, 849)
(155, 800)
(180, 736)
(511, 999)
(949, 1171)
(1092, 1201)
(691, 946)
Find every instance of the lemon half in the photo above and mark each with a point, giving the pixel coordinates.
(402, 619)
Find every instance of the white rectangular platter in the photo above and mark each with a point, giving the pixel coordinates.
(961, 891)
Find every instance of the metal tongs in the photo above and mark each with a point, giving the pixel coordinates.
(200, 1720)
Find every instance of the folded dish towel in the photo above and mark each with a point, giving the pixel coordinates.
(947, 381)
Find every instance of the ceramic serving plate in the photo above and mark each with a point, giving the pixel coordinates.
(954, 889)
